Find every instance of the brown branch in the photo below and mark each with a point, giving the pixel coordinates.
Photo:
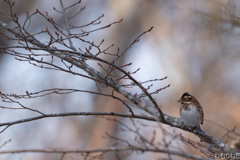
(77, 114)
(111, 149)
(172, 121)
(155, 111)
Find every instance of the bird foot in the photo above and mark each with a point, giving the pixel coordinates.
(197, 129)
(185, 127)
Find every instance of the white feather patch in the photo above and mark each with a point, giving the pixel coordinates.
(192, 116)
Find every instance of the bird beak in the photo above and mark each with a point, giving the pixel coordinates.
(179, 100)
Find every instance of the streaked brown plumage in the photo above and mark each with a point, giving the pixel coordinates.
(191, 111)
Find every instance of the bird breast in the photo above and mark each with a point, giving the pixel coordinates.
(191, 116)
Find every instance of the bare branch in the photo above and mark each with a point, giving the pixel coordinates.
(112, 149)
(77, 114)
(155, 111)
(67, 25)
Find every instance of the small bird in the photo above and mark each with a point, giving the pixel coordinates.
(191, 111)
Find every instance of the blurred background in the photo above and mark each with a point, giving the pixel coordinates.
(194, 43)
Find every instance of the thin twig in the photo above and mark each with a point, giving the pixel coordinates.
(67, 25)
(112, 149)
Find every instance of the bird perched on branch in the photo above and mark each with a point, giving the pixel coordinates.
(191, 111)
